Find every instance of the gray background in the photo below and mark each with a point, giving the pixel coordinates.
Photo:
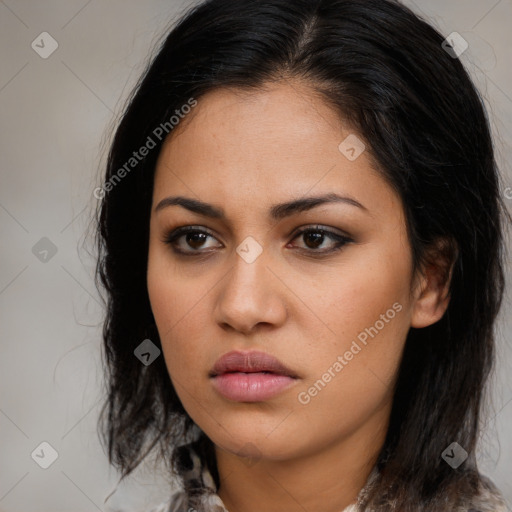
(56, 115)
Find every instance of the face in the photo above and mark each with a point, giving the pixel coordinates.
(333, 304)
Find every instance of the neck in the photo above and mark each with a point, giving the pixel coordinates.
(327, 479)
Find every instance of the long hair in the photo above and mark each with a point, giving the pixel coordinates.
(386, 72)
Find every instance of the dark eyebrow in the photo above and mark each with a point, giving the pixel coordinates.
(277, 211)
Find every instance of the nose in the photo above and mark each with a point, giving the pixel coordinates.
(250, 296)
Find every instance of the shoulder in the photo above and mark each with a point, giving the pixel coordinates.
(488, 499)
(162, 507)
(176, 503)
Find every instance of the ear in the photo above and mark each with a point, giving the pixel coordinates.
(431, 292)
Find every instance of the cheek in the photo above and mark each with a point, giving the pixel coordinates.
(183, 340)
(173, 313)
(168, 304)
(180, 308)
(172, 294)
(353, 296)
(352, 379)
(364, 312)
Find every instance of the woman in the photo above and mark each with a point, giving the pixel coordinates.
(301, 241)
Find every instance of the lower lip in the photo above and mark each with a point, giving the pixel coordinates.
(251, 387)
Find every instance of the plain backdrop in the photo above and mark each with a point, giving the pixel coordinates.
(56, 114)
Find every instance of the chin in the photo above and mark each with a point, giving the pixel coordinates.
(255, 443)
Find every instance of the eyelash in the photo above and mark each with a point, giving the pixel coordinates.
(340, 240)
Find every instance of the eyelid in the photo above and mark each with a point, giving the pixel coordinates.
(338, 239)
(173, 234)
(319, 227)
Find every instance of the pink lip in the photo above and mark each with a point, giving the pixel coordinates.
(250, 376)
(251, 387)
(249, 362)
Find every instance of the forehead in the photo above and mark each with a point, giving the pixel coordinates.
(264, 146)
(277, 118)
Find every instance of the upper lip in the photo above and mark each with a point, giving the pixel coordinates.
(249, 362)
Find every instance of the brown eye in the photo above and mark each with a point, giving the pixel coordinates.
(195, 240)
(313, 239)
(189, 241)
(316, 239)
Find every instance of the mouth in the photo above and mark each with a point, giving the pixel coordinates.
(247, 373)
(250, 362)
(250, 376)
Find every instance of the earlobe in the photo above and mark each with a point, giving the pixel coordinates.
(432, 295)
